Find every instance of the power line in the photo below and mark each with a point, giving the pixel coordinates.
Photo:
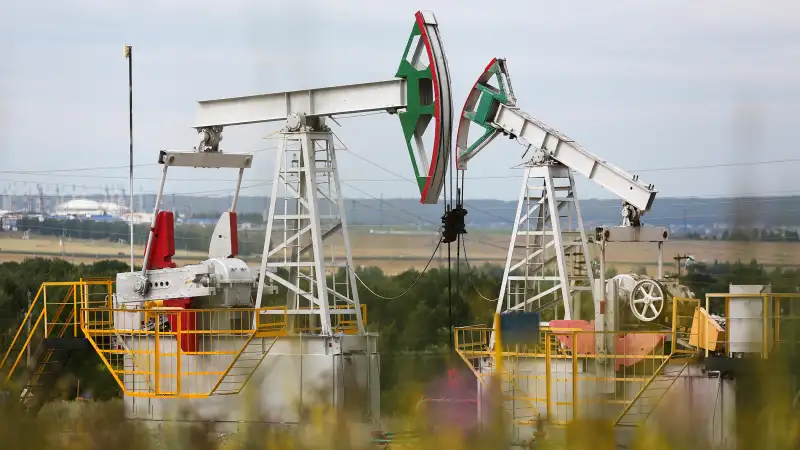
(91, 168)
(412, 181)
(73, 169)
(433, 255)
(388, 203)
(718, 165)
(424, 220)
(650, 169)
(188, 193)
(70, 173)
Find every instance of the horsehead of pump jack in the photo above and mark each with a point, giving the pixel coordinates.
(420, 95)
(547, 246)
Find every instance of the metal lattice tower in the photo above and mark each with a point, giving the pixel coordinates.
(306, 211)
(547, 261)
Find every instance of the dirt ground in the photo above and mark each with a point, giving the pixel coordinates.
(397, 252)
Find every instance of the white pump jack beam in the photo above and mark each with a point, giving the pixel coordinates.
(420, 95)
(569, 153)
(389, 95)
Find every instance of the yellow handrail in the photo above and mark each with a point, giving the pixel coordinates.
(19, 330)
(643, 388)
(50, 324)
(187, 360)
(27, 341)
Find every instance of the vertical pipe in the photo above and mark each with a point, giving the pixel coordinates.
(44, 310)
(765, 313)
(548, 376)
(601, 307)
(727, 323)
(83, 306)
(674, 324)
(178, 351)
(661, 260)
(574, 375)
(705, 326)
(129, 57)
(156, 352)
(75, 309)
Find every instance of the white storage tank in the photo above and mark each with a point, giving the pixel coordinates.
(745, 324)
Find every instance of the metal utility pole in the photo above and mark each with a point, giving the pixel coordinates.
(129, 57)
(678, 260)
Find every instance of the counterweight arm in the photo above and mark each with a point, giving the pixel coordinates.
(420, 95)
(327, 101)
(561, 148)
(493, 108)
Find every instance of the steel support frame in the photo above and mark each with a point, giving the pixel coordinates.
(303, 171)
(326, 101)
(569, 153)
(540, 241)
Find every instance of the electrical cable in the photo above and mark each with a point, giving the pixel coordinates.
(497, 177)
(83, 169)
(187, 193)
(424, 220)
(472, 279)
(414, 182)
(409, 288)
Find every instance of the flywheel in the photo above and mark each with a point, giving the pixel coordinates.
(647, 300)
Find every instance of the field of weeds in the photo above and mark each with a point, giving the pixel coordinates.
(766, 418)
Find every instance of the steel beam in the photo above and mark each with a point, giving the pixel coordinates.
(207, 160)
(326, 101)
(571, 154)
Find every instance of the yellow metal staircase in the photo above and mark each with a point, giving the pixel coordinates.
(562, 378)
(652, 392)
(244, 365)
(503, 372)
(216, 354)
(47, 338)
(45, 359)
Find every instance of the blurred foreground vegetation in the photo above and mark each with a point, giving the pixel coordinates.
(766, 418)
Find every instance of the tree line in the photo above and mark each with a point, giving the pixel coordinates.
(187, 237)
(415, 329)
(747, 235)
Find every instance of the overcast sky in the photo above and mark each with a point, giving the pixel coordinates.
(645, 85)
